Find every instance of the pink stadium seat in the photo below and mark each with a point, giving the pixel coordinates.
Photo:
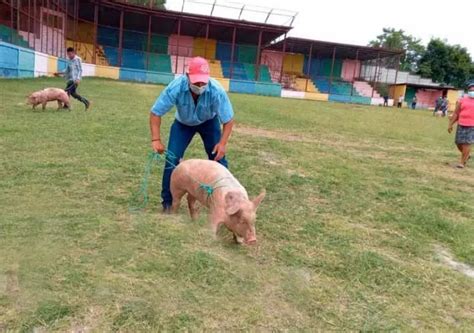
(182, 46)
(274, 60)
(350, 69)
(182, 64)
(365, 89)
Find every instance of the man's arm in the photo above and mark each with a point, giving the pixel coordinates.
(224, 109)
(221, 147)
(226, 131)
(78, 74)
(454, 117)
(155, 128)
(163, 105)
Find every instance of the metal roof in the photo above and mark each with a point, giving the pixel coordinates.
(325, 49)
(425, 86)
(194, 25)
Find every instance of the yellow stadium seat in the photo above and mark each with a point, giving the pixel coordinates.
(215, 68)
(205, 48)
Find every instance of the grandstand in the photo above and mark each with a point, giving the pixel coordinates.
(328, 71)
(123, 41)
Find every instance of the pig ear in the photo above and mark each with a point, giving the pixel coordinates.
(258, 200)
(232, 203)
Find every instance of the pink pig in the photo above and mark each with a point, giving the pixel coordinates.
(47, 95)
(228, 204)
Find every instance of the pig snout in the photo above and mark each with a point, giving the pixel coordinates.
(250, 238)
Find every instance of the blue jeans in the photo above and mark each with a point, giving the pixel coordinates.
(180, 138)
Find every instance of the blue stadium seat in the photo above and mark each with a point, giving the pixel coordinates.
(238, 72)
(133, 59)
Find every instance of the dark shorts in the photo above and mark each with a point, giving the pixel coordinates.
(465, 135)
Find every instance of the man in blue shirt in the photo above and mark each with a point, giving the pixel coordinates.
(202, 106)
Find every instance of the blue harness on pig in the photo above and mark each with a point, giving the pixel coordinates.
(143, 191)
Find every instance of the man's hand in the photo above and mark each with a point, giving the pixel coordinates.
(219, 150)
(450, 129)
(77, 82)
(158, 147)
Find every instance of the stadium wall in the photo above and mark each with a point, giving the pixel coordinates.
(19, 62)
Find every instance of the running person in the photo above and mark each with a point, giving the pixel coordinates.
(73, 76)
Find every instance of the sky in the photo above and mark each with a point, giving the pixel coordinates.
(357, 22)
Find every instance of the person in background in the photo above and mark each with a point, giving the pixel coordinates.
(438, 103)
(464, 116)
(385, 100)
(202, 106)
(400, 102)
(73, 76)
(413, 102)
(444, 106)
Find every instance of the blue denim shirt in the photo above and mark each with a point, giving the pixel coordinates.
(213, 102)
(74, 69)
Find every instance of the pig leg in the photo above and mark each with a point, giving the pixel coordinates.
(43, 105)
(238, 240)
(60, 105)
(177, 195)
(215, 219)
(193, 209)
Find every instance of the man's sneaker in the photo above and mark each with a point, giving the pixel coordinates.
(88, 105)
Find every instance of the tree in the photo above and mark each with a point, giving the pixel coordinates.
(160, 4)
(399, 40)
(444, 63)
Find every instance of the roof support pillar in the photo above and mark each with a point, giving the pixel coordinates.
(355, 72)
(332, 68)
(232, 53)
(282, 59)
(308, 68)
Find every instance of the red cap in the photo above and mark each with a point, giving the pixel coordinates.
(198, 70)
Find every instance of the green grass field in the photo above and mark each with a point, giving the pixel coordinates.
(360, 202)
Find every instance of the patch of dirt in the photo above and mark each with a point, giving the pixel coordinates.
(292, 172)
(447, 259)
(270, 158)
(90, 322)
(263, 133)
(339, 142)
(12, 285)
(315, 200)
(441, 170)
(367, 149)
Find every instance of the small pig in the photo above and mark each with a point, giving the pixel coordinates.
(47, 95)
(228, 204)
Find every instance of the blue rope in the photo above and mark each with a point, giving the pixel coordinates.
(142, 194)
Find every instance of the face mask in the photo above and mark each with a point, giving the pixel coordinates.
(198, 90)
(471, 93)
